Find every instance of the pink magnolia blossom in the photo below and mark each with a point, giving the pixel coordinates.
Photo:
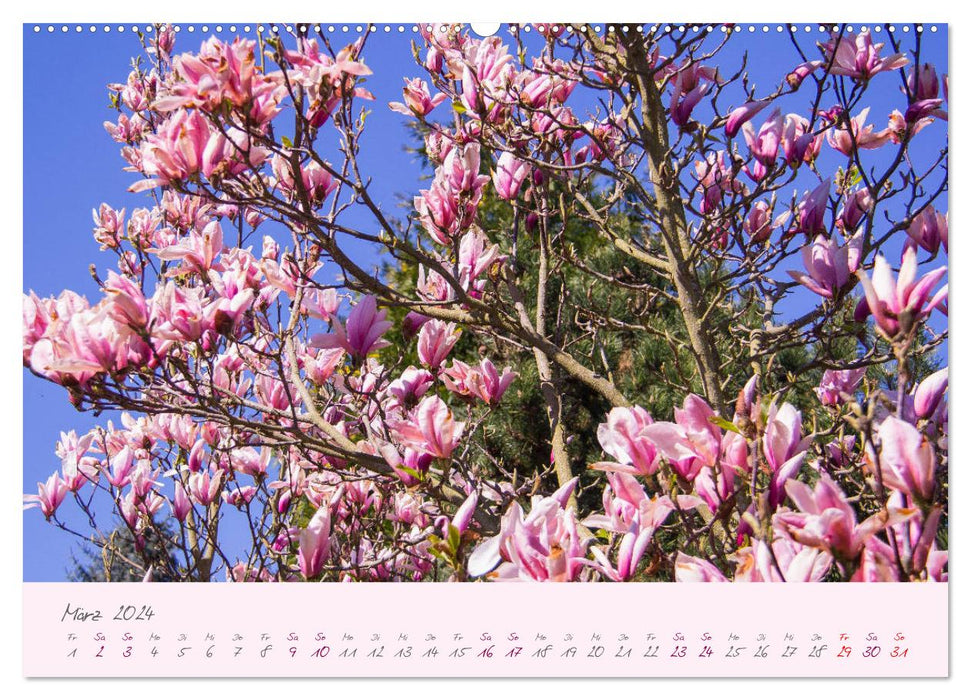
(857, 57)
(408, 388)
(509, 175)
(462, 518)
(197, 454)
(622, 437)
(783, 446)
(746, 402)
(185, 212)
(929, 393)
(128, 129)
(249, 461)
(628, 511)
(487, 77)
(483, 382)
(108, 225)
(143, 479)
(715, 485)
(829, 266)
(175, 151)
(87, 344)
(181, 505)
(432, 428)
(36, 319)
(205, 488)
(218, 72)
(542, 89)
(846, 139)
(801, 72)
(606, 141)
(827, 520)
(239, 496)
(811, 211)
(434, 60)
(230, 153)
(624, 498)
(438, 144)
(929, 230)
(164, 43)
(438, 210)
(138, 91)
(856, 205)
(690, 443)
(418, 100)
(409, 464)
(557, 125)
(177, 313)
(906, 461)
(898, 304)
(787, 561)
(840, 452)
(80, 342)
(127, 303)
(197, 251)
(320, 303)
(274, 393)
(465, 512)
(684, 103)
(799, 144)
(460, 170)
(715, 180)
(837, 384)
(688, 75)
(179, 429)
(435, 341)
(235, 298)
(316, 181)
(902, 126)
(409, 509)
(362, 333)
(241, 573)
(326, 79)
(742, 115)
(759, 223)
(914, 547)
(544, 545)
(76, 468)
(476, 257)
(314, 547)
(764, 145)
(320, 366)
(49, 496)
(921, 111)
(144, 227)
(131, 513)
(922, 82)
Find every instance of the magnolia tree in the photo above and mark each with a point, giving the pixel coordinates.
(717, 308)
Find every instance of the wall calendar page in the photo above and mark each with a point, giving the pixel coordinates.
(556, 350)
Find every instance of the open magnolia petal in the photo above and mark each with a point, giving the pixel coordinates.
(485, 557)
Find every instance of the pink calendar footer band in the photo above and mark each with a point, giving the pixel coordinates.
(474, 630)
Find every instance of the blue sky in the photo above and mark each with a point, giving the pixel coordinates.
(71, 165)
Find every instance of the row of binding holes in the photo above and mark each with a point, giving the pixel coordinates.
(401, 28)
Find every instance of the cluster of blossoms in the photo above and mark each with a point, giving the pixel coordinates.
(810, 530)
(397, 417)
(344, 429)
